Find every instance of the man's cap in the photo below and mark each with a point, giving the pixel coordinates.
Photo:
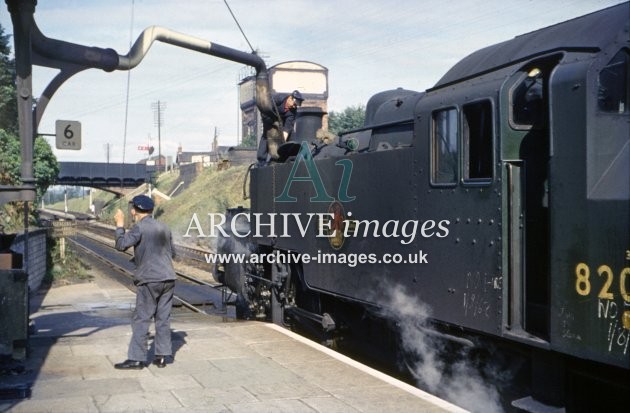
(142, 202)
(297, 95)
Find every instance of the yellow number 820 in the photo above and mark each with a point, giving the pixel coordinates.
(583, 282)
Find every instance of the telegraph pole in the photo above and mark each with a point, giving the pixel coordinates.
(158, 119)
(107, 151)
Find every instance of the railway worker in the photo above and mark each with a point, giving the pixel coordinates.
(154, 279)
(287, 105)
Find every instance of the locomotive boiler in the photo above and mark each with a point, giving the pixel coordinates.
(499, 198)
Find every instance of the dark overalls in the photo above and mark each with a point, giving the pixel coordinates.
(154, 280)
(288, 121)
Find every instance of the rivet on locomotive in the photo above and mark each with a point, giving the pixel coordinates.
(499, 199)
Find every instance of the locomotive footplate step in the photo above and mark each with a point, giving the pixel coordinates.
(197, 295)
(18, 391)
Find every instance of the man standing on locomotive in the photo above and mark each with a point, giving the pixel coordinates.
(154, 279)
(286, 105)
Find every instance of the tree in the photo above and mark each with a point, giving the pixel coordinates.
(352, 117)
(45, 165)
(8, 100)
(248, 141)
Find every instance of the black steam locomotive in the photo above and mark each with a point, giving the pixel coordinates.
(499, 198)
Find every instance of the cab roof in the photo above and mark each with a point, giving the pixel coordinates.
(588, 33)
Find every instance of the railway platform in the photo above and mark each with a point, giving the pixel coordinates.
(220, 365)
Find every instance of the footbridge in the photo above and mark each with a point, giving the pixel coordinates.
(113, 177)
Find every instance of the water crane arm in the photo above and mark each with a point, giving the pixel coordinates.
(33, 48)
(156, 33)
(58, 53)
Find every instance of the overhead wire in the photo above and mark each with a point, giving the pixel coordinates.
(239, 25)
(162, 87)
(244, 36)
(128, 87)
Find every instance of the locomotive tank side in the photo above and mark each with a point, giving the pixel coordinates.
(500, 198)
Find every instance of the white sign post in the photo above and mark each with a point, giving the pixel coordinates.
(68, 134)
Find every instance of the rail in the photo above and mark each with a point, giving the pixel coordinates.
(188, 275)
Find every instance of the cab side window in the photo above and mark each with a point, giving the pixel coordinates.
(614, 84)
(444, 147)
(477, 141)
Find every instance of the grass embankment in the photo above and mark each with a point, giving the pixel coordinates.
(212, 191)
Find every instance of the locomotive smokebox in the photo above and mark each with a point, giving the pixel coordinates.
(309, 120)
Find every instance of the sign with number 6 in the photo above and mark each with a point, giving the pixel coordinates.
(68, 134)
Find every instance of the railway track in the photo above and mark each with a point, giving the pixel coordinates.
(193, 256)
(195, 287)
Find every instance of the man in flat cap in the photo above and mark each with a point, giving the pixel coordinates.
(154, 279)
(286, 105)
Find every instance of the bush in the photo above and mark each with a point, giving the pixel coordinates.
(67, 270)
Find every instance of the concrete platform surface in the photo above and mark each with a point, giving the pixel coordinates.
(221, 365)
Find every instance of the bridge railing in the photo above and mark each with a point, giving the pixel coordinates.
(104, 174)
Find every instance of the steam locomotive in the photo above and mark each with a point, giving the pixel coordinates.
(499, 198)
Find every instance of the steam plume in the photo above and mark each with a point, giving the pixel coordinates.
(460, 382)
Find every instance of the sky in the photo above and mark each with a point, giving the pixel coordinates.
(368, 46)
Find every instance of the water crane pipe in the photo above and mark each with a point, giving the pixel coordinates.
(52, 51)
(33, 48)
